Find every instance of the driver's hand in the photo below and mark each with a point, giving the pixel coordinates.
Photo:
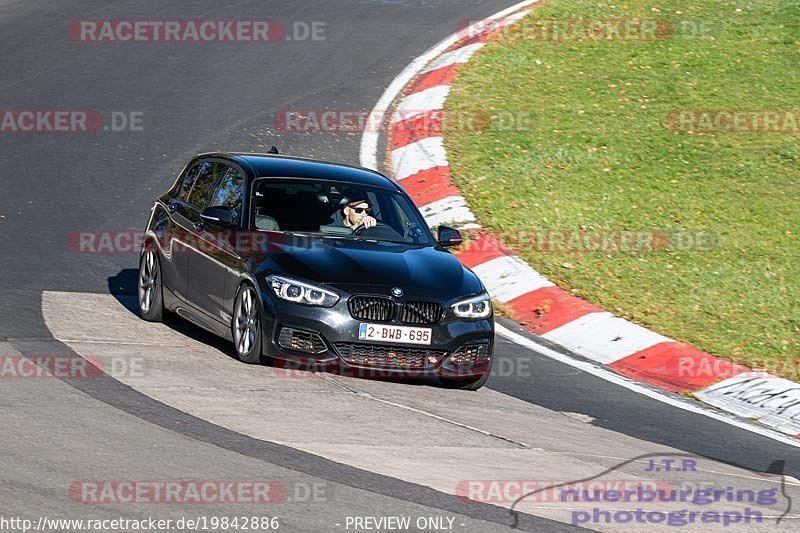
(369, 222)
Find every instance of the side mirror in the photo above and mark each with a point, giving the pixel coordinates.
(449, 236)
(219, 215)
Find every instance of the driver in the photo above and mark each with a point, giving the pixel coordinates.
(357, 213)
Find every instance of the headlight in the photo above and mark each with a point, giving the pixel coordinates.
(301, 293)
(476, 307)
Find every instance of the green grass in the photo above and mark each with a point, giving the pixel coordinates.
(599, 155)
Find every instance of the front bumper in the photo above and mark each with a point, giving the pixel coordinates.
(460, 349)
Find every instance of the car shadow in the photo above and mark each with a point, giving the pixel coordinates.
(123, 287)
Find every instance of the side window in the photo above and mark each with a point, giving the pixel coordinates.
(229, 194)
(185, 186)
(206, 179)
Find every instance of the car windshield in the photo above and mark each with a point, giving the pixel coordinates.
(336, 209)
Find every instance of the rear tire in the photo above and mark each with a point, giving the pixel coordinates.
(151, 295)
(246, 325)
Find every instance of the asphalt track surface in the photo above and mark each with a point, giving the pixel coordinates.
(203, 97)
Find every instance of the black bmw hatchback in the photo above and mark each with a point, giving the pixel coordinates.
(325, 265)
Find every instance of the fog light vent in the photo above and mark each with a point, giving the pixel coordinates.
(301, 341)
(470, 354)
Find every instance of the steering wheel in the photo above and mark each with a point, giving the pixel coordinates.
(380, 232)
(361, 228)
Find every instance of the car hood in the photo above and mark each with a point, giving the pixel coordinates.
(420, 271)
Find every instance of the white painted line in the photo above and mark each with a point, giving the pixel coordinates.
(508, 277)
(368, 154)
(333, 378)
(451, 211)
(603, 337)
(471, 225)
(418, 156)
(631, 385)
(454, 57)
(772, 400)
(512, 19)
(420, 103)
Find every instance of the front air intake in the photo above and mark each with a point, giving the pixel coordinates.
(301, 341)
(470, 355)
(388, 357)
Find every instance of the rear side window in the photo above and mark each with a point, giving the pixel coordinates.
(229, 194)
(206, 179)
(185, 186)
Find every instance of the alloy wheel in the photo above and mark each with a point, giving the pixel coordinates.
(246, 326)
(148, 278)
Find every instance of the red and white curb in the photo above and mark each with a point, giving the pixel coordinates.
(419, 162)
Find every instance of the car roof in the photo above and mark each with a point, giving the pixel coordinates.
(283, 166)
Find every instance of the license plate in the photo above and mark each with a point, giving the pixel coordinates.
(389, 333)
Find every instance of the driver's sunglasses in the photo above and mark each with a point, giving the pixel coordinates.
(361, 210)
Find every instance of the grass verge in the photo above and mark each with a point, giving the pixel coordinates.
(606, 151)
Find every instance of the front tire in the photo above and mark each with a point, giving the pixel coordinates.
(465, 385)
(246, 326)
(151, 295)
